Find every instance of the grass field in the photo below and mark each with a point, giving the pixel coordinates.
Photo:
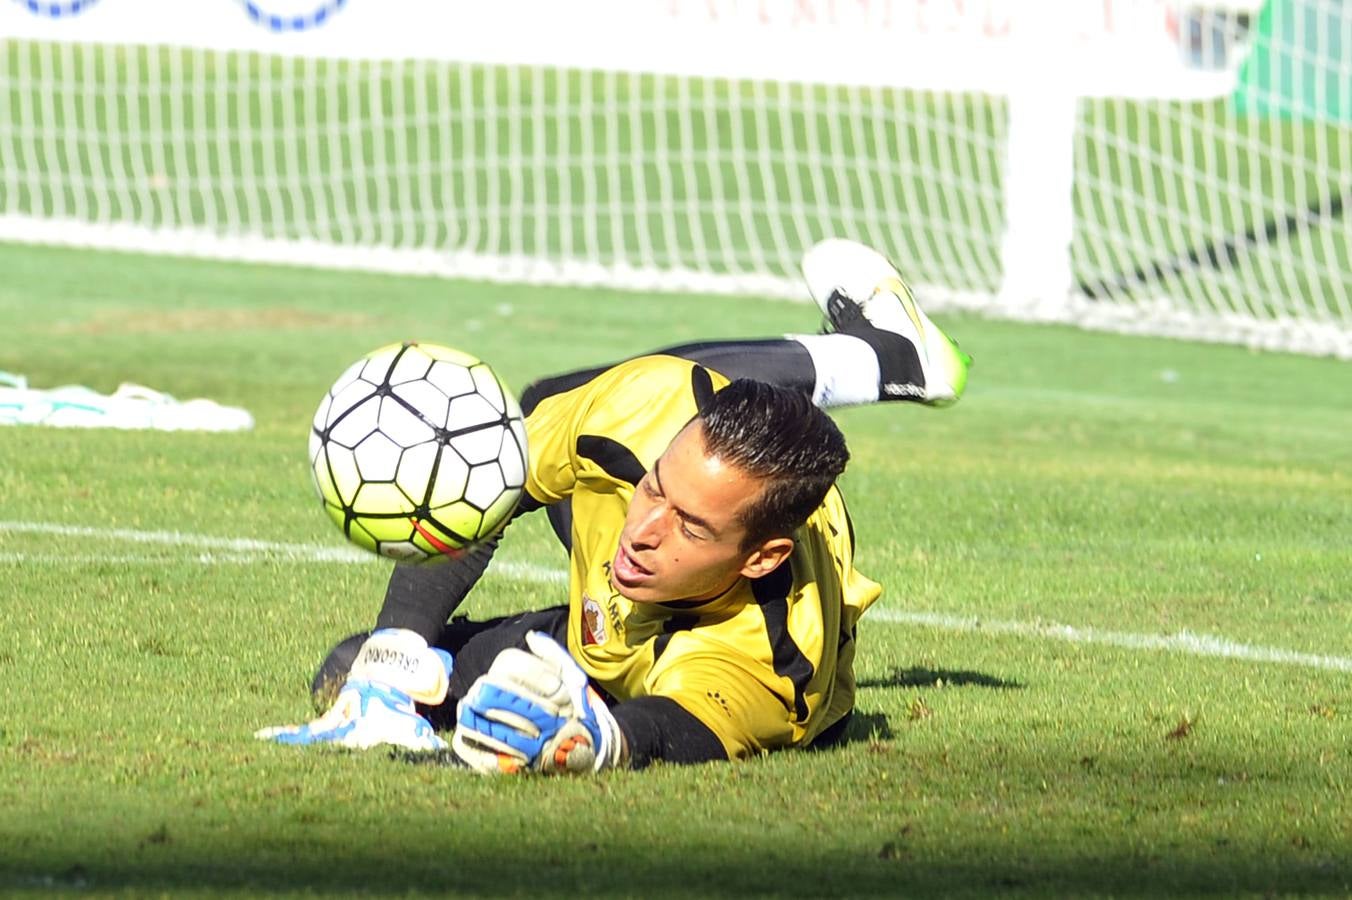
(1114, 655)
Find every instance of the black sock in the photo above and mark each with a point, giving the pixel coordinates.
(899, 373)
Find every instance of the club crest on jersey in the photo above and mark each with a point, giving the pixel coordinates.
(593, 622)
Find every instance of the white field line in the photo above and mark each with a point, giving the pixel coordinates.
(128, 559)
(513, 571)
(243, 550)
(1182, 642)
(218, 550)
(213, 546)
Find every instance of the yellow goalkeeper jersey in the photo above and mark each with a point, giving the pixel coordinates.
(767, 664)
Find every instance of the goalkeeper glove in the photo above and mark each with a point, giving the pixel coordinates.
(536, 712)
(394, 669)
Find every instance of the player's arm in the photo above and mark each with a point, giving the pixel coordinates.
(659, 728)
(422, 598)
(648, 729)
(534, 710)
(376, 705)
(394, 670)
(743, 716)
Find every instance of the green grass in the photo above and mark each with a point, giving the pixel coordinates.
(1127, 487)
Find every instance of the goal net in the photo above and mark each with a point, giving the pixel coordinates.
(1150, 165)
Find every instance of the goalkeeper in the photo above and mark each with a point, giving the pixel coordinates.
(713, 598)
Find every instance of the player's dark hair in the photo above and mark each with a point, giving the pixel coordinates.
(777, 435)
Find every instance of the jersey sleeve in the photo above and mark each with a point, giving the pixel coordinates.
(658, 728)
(743, 713)
(637, 404)
(551, 442)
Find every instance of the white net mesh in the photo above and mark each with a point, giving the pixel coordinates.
(1215, 218)
(1226, 217)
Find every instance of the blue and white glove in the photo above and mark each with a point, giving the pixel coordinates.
(536, 712)
(394, 669)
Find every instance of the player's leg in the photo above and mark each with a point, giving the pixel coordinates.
(864, 297)
(881, 345)
(833, 369)
(778, 361)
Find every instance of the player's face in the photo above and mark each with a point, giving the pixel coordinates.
(682, 537)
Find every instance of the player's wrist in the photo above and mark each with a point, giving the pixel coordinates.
(536, 710)
(365, 714)
(610, 751)
(401, 659)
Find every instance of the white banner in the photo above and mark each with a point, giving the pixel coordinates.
(1116, 47)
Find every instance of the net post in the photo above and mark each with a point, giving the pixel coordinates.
(1038, 181)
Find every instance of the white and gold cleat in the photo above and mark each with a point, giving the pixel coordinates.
(861, 293)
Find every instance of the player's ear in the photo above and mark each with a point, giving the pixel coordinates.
(767, 557)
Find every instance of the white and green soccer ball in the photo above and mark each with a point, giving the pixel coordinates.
(418, 452)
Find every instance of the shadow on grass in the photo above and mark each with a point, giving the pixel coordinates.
(860, 726)
(919, 676)
(619, 868)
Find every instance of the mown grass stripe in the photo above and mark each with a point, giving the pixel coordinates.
(246, 550)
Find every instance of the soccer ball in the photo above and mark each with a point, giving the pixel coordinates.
(418, 452)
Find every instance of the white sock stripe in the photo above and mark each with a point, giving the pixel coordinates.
(846, 368)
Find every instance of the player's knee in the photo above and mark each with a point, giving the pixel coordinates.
(333, 671)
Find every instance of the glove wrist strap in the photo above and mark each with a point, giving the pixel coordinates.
(611, 752)
(401, 659)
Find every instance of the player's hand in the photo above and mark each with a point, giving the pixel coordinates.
(375, 707)
(536, 712)
(365, 715)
